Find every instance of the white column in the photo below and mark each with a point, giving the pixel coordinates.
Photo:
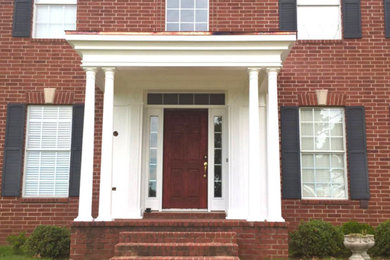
(273, 157)
(105, 195)
(257, 202)
(86, 175)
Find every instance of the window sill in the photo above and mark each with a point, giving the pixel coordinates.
(336, 41)
(45, 200)
(326, 202)
(49, 40)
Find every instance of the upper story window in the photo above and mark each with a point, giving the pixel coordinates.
(187, 15)
(53, 17)
(319, 20)
(48, 150)
(323, 167)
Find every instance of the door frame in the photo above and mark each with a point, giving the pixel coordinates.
(155, 203)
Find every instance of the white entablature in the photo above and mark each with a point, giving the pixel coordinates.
(182, 49)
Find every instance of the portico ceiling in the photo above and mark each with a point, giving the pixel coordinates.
(263, 50)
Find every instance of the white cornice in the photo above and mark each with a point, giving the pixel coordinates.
(131, 49)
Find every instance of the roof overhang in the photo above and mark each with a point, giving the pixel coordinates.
(181, 49)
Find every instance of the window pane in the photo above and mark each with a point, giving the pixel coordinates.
(308, 191)
(337, 161)
(201, 4)
(322, 143)
(172, 16)
(201, 27)
(201, 16)
(307, 161)
(319, 22)
(173, 27)
(322, 161)
(173, 3)
(306, 114)
(336, 129)
(218, 156)
(307, 143)
(52, 20)
(48, 144)
(307, 129)
(187, 16)
(187, 27)
(337, 143)
(153, 151)
(191, 15)
(308, 176)
(42, 13)
(187, 3)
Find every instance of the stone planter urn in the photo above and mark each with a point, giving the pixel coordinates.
(359, 244)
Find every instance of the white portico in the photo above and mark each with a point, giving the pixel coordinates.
(161, 83)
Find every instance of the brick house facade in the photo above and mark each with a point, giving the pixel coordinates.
(354, 70)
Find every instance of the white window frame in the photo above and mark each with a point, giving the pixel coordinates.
(344, 152)
(179, 9)
(213, 204)
(320, 3)
(49, 2)
(26, 149)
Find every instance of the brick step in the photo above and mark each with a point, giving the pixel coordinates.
(177, 237)
(185, 215)
(176, 258)
(176, 249)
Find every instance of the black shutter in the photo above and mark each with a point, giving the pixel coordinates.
(357, 153)
(75, 158)
(387, 18)
(22, 18)
(13, 150)
(291, 165)
(288, 15)
(352, 19)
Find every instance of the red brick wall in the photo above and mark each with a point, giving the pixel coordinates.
(358, 69)
(27, 66)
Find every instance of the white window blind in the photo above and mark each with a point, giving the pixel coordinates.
(52, 18)
(319, 20)
(47, 158)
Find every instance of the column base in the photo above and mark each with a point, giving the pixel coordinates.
(105, 218)
(275, 219)
(83, 219)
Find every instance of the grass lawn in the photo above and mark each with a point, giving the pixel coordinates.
(6, 253)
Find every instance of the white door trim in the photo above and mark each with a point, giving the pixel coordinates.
(155, 203)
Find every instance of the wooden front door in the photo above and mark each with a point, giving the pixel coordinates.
(185, 152)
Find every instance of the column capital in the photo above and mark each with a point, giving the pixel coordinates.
(273, 70)
(254, 69)
(109, 69)
(93, 69)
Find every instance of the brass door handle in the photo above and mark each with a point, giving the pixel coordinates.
(205, 170)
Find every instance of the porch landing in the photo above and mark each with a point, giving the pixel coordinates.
(174, 235)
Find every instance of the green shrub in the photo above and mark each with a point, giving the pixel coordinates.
(49, 241)
(382, 240)
(356, 227)
(17, 242)
(316, 238)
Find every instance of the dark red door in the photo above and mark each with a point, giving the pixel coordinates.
(185, 150)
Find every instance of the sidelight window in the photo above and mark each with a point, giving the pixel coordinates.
(217, 156)
(153, 148)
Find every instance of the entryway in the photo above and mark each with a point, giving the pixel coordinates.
(185, 156)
